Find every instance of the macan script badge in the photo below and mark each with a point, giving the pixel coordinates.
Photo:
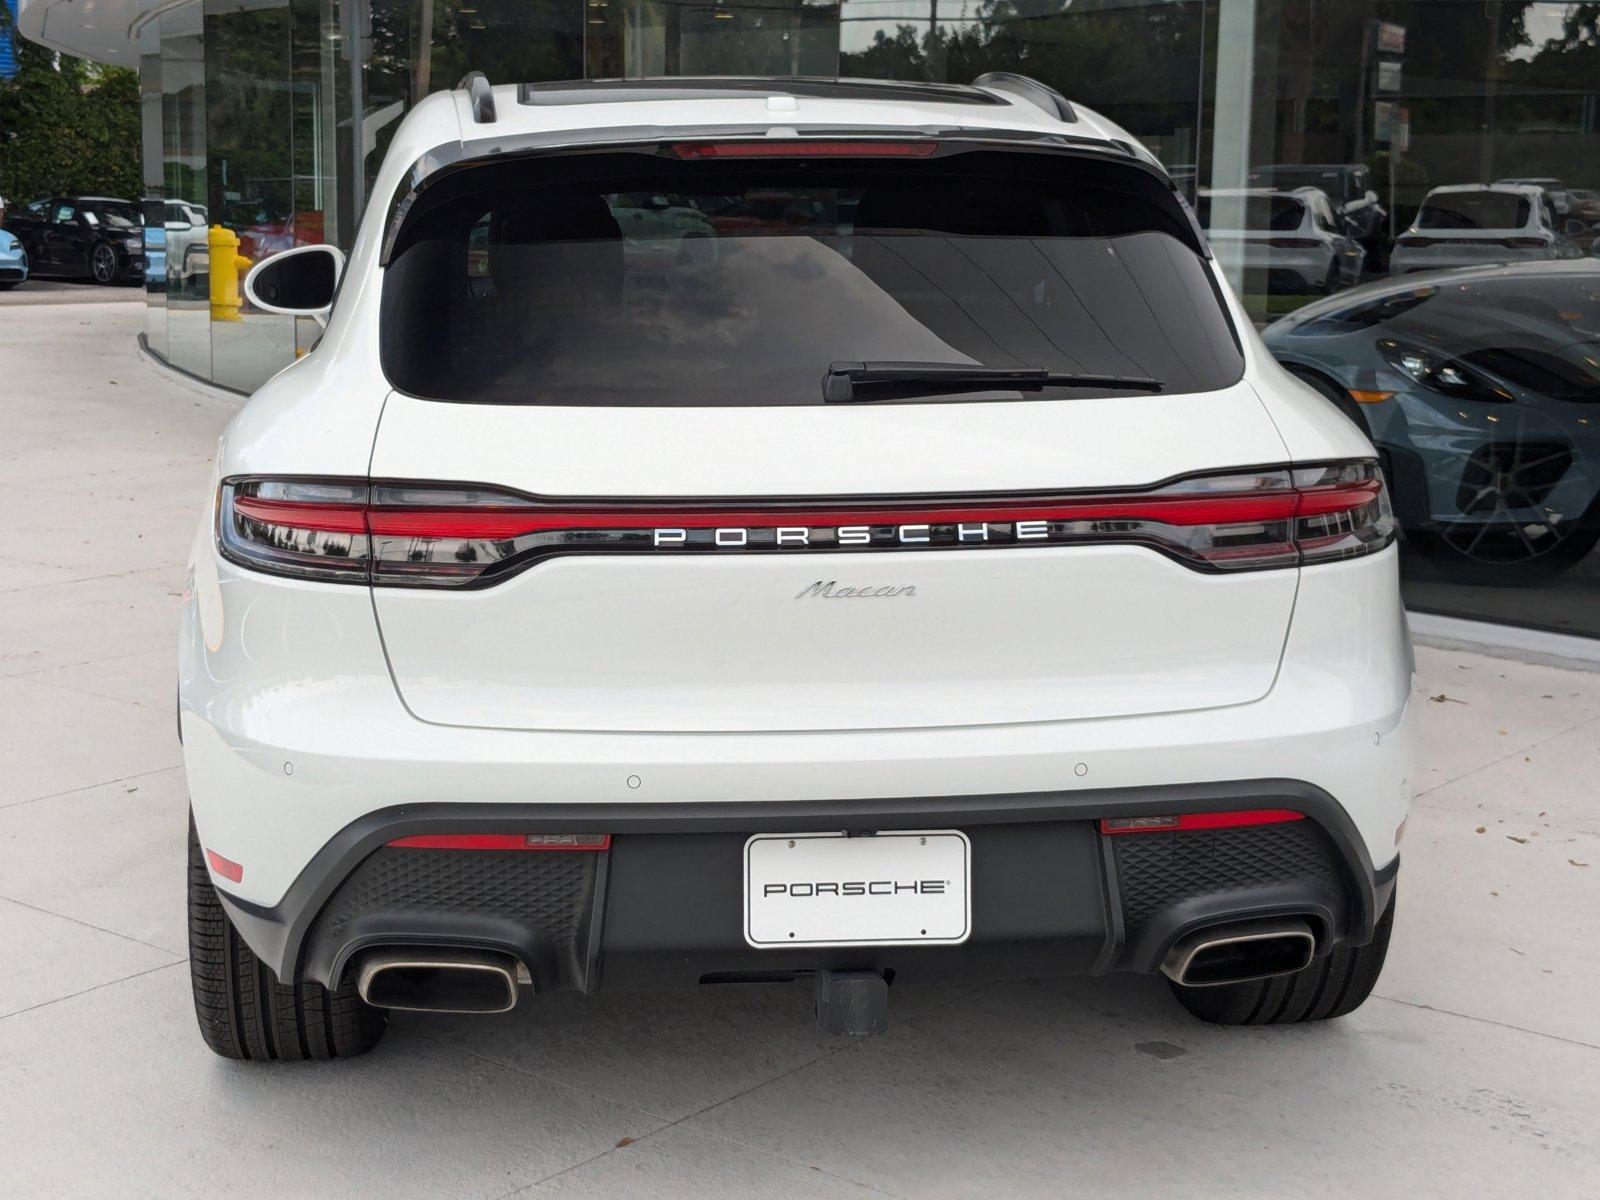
(832, 591)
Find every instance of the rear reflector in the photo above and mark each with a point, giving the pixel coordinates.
(790, 148)
(396, 534)
(505, 841)
(225, 867)
(1183, 822)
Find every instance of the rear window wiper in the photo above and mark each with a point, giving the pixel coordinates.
(855, 382)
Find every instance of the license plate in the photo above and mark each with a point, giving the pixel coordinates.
(886, 889)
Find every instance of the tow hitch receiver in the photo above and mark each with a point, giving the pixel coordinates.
(852, 1003)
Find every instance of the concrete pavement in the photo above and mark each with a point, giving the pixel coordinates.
(39, 290)
(1475, 1072)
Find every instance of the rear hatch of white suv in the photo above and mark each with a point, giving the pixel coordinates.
(755, 435)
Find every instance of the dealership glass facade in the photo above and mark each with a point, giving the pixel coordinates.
(1309, 134)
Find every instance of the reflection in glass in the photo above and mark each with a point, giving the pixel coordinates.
(152, 185)
(250, 182)
(1460, 151)
(183, 122)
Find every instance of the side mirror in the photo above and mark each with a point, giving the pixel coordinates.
(298, 282)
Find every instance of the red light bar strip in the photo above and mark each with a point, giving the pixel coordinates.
(1210, 820)
(1316, 502)
(512, 522)
(508, 521)
(225, 867)
(304, 514)
(492, 523)
(787, 148)
(497, 841)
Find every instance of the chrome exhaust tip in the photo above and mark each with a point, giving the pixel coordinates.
(1239, 953)
(441, 981)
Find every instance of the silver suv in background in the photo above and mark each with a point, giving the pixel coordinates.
(1470, 224)
(1348, 186)
(1292, 236)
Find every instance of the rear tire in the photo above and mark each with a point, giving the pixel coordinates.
(244, 1012)
(1333, 985)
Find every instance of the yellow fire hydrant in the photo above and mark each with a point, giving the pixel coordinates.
(226, 265)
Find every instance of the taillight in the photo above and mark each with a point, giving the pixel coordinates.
(316, 530)
(1343, 511)
(443, 535)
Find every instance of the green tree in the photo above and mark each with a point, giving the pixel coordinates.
(67, 125)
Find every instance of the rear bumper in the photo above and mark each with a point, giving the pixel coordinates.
(661, 908)
(293, 732)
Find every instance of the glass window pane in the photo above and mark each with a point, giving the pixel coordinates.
(1459, 156)
(183, 122)
(250, 183)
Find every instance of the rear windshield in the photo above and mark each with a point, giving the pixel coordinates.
(638, 279)
(1474, 210)
(1272, 214)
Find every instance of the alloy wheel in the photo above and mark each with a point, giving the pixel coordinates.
(103, 262)
(1503, 491)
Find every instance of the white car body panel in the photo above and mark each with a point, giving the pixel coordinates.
(693, 627)
(693, 644)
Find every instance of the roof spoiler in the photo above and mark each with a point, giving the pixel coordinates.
(1024, 88)
(476, 85)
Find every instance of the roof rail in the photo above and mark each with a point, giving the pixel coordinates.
(1031, 90)
(476, 85)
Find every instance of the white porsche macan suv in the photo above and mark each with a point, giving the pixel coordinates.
(739, 530)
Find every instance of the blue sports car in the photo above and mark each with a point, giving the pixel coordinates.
(13, 260)
(1481, 390)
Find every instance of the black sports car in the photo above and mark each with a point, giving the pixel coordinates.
(93, 237)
